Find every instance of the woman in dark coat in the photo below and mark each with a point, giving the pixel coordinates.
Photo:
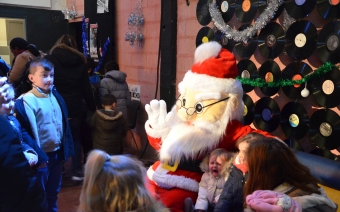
(72, 82)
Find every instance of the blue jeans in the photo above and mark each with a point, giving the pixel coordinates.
(75, 126)
(50, 178)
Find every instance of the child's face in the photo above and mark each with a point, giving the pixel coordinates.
(216, 165)
(42, 79)
(243, 147)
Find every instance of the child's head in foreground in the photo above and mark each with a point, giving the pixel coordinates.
(41, 74)
(216, 161)
(114, 183)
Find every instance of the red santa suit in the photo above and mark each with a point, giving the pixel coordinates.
(206, 116)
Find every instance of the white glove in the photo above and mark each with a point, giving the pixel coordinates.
(157, 115)
(31, 158)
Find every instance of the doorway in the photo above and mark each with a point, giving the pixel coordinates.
(9, 29)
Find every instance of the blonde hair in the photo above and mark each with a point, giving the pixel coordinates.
(219, 152)
(115, 184)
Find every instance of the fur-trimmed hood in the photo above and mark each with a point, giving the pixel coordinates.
(67, 55)
(108, 119)
(226, 168)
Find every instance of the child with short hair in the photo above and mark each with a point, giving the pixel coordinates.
(216, 168)
(231, 198)
(43, 115)
(115, 183)
(109, 127)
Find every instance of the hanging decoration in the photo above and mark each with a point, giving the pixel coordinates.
(135, 22)
(70, 14)
(84, 36)
(250, 31)
(102, 6)
(105, 48)
(259, 82)
(287, 20)
(93, 42)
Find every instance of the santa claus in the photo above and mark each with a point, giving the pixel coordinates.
(206, 116)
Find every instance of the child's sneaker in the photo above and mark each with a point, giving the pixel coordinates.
(78, 176)
(188, 206)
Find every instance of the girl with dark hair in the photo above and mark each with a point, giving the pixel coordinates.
(23, 53)
(274, 166)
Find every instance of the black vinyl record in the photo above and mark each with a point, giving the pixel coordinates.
(328, 45)
(326, 88)
(224, 41)
(301, 38)
(263, 4)
(325, 129)
(294, 120)
(299, 8)
(295, 71)
(246, 50)
(328, 9)
(271, 40)
(202, 12)
(245, 11)
(247, 69)
(249, 110)
(267, 114)
(227, 9)
(204, 35)
(269, 72)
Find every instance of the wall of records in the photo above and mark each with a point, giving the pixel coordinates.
(288, 53)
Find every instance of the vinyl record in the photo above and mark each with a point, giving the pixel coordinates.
(263, 4)
(204, 35)
(271, 40)
(270, 71)
(301, 38)
(249, 110)
(325, 129)
(245, 10)
(328, 45)
(294, 120)
(227, 9)
(299, 8)
(267, 114)
(328, 9)
(247, 69)
(246, 50)
(202, 12)
(224, 41)
(295, 71)
(326, 88)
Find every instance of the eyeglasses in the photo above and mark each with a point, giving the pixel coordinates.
(198, 107)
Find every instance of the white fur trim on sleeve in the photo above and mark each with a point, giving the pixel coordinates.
(170, 181)
(207, 50)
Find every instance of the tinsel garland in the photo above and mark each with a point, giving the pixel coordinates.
(84, 37)
(258, 82)
(250, 31)
(103, 56)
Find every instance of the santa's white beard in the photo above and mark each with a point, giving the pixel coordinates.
(189, 141)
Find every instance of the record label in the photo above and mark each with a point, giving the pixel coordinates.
(325, 129)
(224, 41)
(332, 42)
(246, 5)
(294, 120)
(266, 114)
(245, 74)
(300, 2)
(269, 77)
(297, 77)
(328, 87)
(224, 6)
(204, 35)
(205, 39)
(300, 40)
(271, 40)
(334, 2)
(245, 112)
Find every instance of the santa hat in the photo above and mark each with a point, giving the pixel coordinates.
(214, 70)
